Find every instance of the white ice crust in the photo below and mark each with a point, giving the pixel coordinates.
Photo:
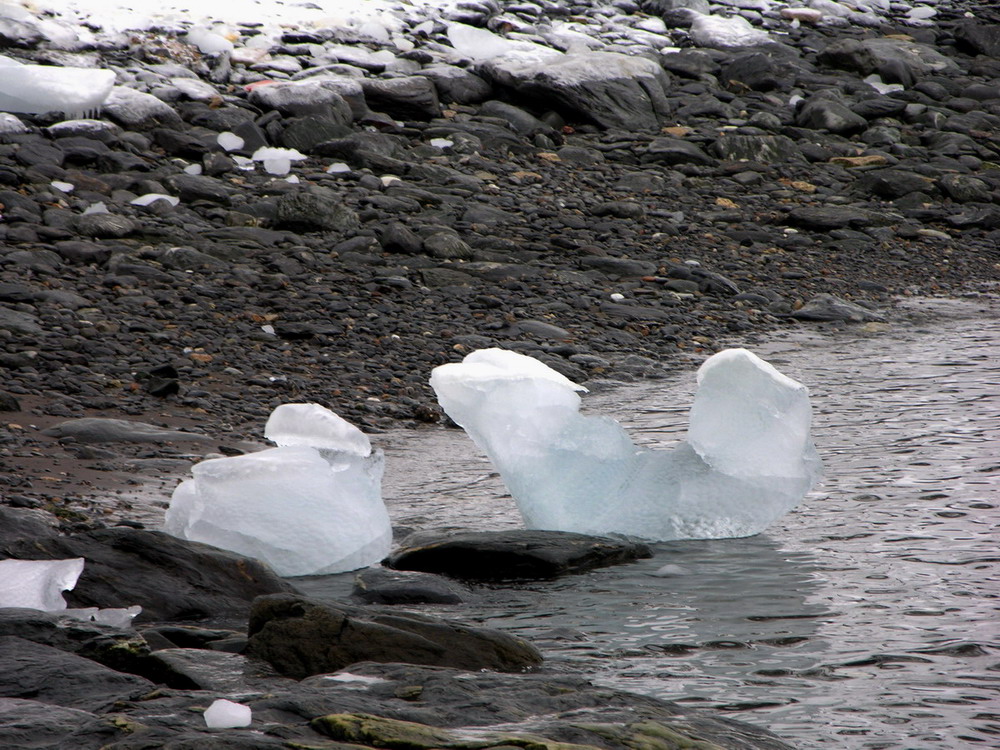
(311, 506)
(223, 714)
(747, 461)
(34, 89)
(38, 584)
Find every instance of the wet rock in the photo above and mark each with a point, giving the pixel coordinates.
(170, 578)
(826, 307)
(965, 189)
(105, 225)
(313, 209)
(511, 555)
(101, 430)
(300, 98)
(609, 89)
(977, 37)
(304, 133)
(456, 84)
(191, 187)
(893, 183)
(621, 267)
(673, 151)
(301, 637)
(218, 671)
(380, 586)
(823, 113)
(19, 322)
(765, 149)
(34, 725)
(825, 218)
(62, 679)
(398, 238)
(410, 98)
(138, 111)
(447, 246)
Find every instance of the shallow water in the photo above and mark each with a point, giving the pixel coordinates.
(868, 618)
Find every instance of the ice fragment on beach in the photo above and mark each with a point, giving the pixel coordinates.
(229, 141)
(481, 44)
(208, 42)
(113, 617)
(311, 506)
(748, 458)
(34, 89)
(277, 161)
(38, 584)
(223, 714)
(145, 200)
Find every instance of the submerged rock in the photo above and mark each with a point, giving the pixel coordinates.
(517, 554)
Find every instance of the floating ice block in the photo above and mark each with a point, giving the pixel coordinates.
(311, 506)
(38, 584)
(748, 458)
(34, 89)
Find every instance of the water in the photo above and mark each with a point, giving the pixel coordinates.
(866, 619)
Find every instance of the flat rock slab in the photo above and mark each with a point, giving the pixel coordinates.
(32, 670)
(523, 554)
(101, 430)
(301, 637)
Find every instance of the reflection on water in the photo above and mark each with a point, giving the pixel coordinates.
(866, 619)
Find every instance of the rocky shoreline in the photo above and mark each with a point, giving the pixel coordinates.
(626, 193)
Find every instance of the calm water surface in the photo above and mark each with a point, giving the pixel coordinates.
(868, 618)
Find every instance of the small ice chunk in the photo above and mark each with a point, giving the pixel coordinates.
(96, 208)
(316, 426)
(721, 32)
(876, 82)
(617, 297)
(63, 187)
(208, 42)
(229, 141)
(113, 617)
(145, 200)
(481, 44)
(442, 143)
(35, 89)
(338, 168)
(277, 161)
(277, 167)
(38, 584)
(293, 179)
(311, 506)
(748, 458)
(223, 714)
(193, 169)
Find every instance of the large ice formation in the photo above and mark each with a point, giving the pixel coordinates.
(38, 584)
(35, 89)
(311, 506)
(748, 458)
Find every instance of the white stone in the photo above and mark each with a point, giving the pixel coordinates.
(721, 32)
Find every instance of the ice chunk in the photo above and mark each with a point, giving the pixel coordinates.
(311, 506)
(145, 200)
(748, 458)
(34, 89)
(116, 618)
(223, 714)
(721, 32)
(316, 426)
(38, 584)
(480, 45)
(208, 42)
(277, 161)
(229, 141)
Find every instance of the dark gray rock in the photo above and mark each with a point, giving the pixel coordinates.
(314, 209)
(965, 188)
(765, 149)
(823, 113)
(218, 671)
(893, 183)
(34, 725)
(756, 71)
(381, 586)
(300, 98)
(104, 225)
(305, 133)
(456, 84)
(301, 637)
(102, 430)
(196, 187)
(447, 246)
(520, 120)
(135, 110)
(398, 238)
(52, 676)
(609, 89)
(621, 267)
(827, 307)
(410, 98)
(19, 322)
(978, 38)
(825, 218)
(522, 554)
(672, 151)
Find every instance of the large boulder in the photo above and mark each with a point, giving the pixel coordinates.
(301, 637)
(516, 554)
(607, 88)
